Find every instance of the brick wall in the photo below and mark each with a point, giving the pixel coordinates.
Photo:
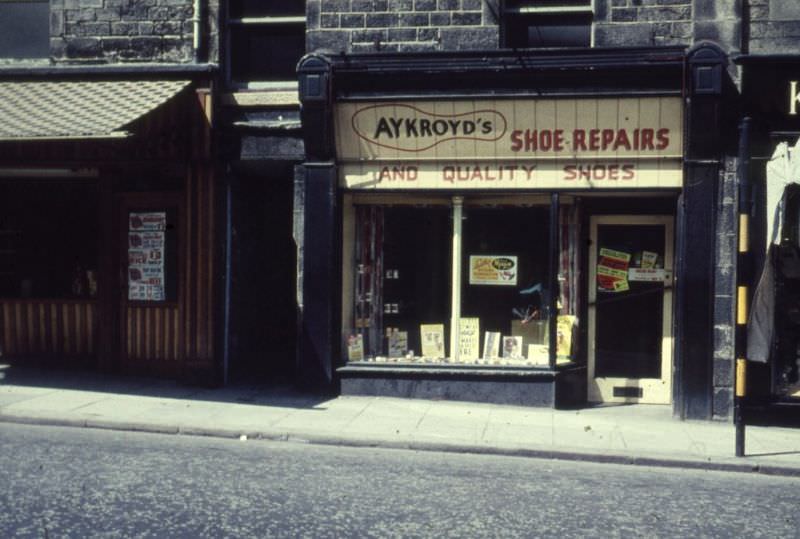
(126, 30)
(400, 25)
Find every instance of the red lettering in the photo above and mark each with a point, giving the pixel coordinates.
(647, 139)
(569, 172)
(558, 140)
(516, 141)
(622, 140)
(546, 140)
(578, 140)
(662, 135)
(608, 138)
(594, 139)
(629, 172)
(530, 140)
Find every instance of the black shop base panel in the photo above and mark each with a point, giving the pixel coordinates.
(563, 387)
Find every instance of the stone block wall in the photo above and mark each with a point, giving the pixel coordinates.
(401, 25)
(773, 26)
(725, 292)
(109, 31)
(419, 25)
(643, 23)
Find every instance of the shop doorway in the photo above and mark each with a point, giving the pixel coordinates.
(630, 309)
(150, 334)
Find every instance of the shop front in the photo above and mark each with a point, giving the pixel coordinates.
(771, 95)
(107, 222)
(494, 236)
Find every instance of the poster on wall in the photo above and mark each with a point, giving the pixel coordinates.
(612, 271)
(146, 256)
(432, 339)
(493, 270)
(469, 333)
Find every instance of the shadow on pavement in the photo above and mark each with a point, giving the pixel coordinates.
(278, 393)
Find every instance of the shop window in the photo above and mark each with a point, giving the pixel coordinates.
(24, 29)
(547, 23)
(411, 289)
(48, 239)
(265, 42)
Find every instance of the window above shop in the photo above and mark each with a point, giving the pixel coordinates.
(265, 42)
(24, 29)
(547, 23)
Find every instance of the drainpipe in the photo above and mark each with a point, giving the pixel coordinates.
(743, 279)
(196, 30)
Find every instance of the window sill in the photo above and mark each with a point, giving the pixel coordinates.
(430, 367)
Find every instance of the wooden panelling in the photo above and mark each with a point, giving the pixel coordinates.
(166, 338)
(152, 333)
(198, 296)
(47, 327)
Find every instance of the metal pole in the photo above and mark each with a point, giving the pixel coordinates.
(743, 279)
(552, 278)
(455, 298)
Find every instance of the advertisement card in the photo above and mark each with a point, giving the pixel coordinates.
(491, 345)
(612, 271)
(398, 343)
(432, 339)
(355, 348)
(146, 256)
(469, 336)
(493, 270)
(512, 347)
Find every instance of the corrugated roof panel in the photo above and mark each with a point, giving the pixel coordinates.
(82, 109)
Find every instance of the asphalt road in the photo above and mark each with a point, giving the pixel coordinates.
(71, 482)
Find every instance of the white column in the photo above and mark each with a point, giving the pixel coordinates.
(455, 298)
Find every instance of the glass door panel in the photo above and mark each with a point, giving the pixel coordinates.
(630, 311)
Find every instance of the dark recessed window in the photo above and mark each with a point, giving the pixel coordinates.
(266, 40)
(24, 29)
(547, 23)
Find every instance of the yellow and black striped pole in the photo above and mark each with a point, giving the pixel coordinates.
(743, 279)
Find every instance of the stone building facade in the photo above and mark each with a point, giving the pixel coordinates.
(755, 27)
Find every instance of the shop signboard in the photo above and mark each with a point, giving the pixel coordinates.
(511, 144)
(771, 91)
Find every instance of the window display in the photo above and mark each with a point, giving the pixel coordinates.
(460, 284)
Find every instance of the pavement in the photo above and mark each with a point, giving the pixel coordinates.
(625, 434)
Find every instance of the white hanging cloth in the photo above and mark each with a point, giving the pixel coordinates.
(783, 169)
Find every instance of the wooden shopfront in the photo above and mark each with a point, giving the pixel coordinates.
(108, 223)
(489, 228)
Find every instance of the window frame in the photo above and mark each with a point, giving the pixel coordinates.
(45, 47)
(260, 22)
(516, 12)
